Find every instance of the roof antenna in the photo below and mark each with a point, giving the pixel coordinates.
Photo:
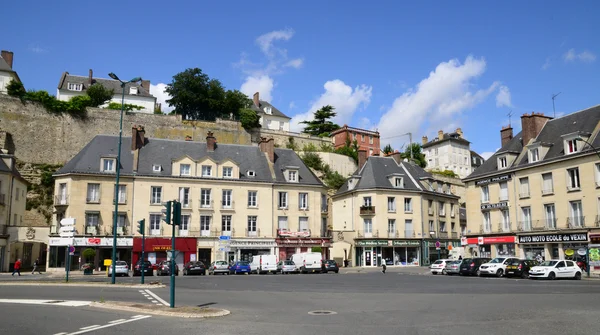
(509, 115)
(553, 108)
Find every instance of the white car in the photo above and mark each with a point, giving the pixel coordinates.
(495, 267)
(121, 269)
(439, 266)
(556, 268)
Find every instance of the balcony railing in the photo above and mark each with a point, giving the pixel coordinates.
(227, 205)
(524, 194)
(503, 227)
(409, 233)
(373, 233)
(92, 200)
(576, 222)
(367, 210)
(206, 205)
(199, 232)
(453, 234)
(443, 234)
(2, 199)
(2, 229)
(485, 229)
(392, 234)
(155, 232)
(91, 230)
(186, 205)
(253, 233)
(61, 200)
(547, 191)
(525, 225)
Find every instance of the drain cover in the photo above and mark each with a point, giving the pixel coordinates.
(321, 312)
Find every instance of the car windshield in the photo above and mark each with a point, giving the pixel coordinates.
(243, 263)
(515, 262)
(467, 260)
(331, 262)
(288, 263)
(455, 262)
(438, 262)
(549, 263)
(497, 260)
(121, 263)
(221, 263)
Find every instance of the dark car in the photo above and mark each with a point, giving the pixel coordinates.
(519, 268)
(148, 270)
(329, 266)
(194, 268)
(164, 269)
(470, 266)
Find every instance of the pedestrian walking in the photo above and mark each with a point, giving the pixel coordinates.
(460, 257)
(36, 265)
(17, 267)
(384, 267)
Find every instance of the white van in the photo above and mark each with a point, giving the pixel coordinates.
(263, 264)
(308, 261)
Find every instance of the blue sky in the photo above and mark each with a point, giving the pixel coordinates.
(397, 66)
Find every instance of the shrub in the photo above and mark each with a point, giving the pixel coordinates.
(249, 119)
(88, 254)
(99, 95)
(312, 160)
(15, 89)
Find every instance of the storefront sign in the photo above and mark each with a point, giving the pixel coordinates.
(287, 233)
(302, 241)
(406, 243)
(554, 238)
(372, 243)
(161, 247)
(495, 179)
(91, 242)
(487, 240)
(503, 204)
(241, 244)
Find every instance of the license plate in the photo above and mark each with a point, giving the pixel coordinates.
(509, 272)
(196, 268)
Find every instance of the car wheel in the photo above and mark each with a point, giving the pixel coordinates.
(478, 273)
(499, 273)
(524, 275)
(185, 273)
(577, 276)
(336, 271)
(551, 276)
(444, 271)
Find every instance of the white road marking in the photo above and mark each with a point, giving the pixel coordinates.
(138, 316)
(120, 320)
(66, 303)
(108, 325)
(60, 334)
(88, 327)
(154, 302)
(157, 298)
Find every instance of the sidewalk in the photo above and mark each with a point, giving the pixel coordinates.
(413, 270)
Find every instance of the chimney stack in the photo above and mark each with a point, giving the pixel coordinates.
(146, 85)
(211, 141)
(8, 57)
(268, 147)
(424, 140)
(256, 100)
(397, 156)
(459, 132)
(137, 137)
(91, 77)
(506, 134)
(440, 135)
(362, 158)
(531, 126)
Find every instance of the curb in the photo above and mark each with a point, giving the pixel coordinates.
(81, 284)
(221, 312)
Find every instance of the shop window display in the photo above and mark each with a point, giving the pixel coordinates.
(507, 250)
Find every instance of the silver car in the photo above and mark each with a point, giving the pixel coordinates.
(453, 267)
(218, 267)
(285, 267)
(121, 269)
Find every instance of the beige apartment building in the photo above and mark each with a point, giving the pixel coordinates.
(237, 201)
(539, 195)
(395, 212)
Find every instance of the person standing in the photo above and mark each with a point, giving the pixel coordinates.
(384, 267)
(17, 267)
(36, 265)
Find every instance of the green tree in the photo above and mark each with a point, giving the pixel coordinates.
(158, 109)
(334, 180)
(349, 149)
(16, 89)
(320, 125)
(99, 94)
(195, 96)
(249, 118)
(127, 108)
(388, 150)
(417, 154)
(88, 254)
(235, 102)
(312, 160)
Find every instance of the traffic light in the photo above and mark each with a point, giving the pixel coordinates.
(166, 212)
(177, 213)
(142, 226)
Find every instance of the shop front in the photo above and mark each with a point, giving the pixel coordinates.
(490, 246)
(156, 249)
(431, 252)
(240, 249)
(371, 253)
(572, 246)
(287, 246)
(594, 252)
(57, 256)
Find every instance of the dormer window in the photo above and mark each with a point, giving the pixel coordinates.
(534, 155)
(133, 90)
(74, 87)
(502, 162)
(184, 169)
(268, 110)
(108, 164)
(227, 172)
(156, 168)
(398, 182)
(251, 173)
(571, 146)
(293, 176)
(206, 171)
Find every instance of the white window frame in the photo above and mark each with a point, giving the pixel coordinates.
(227, 198)
(303, 224)
(571, 146)
(185, 225)
(505, 214)
(227, 172)
(156, 168)
(399, 182)
(133, 90)
(226, 225)
(441, 208)
(252, 199)
(251, 173)
(74, 87)
(391, 228)
(367, 202)
(293, 176)
(597, 173)
(183, 168)
(573, 179)
(368, 226)
(502, 162)
(408, 207)
(487, 223)
(205, 197)
(550, 215)
(122, 194)
(485, 194)
(524, 187)
(93, 193)
(282, 200)
(155, 195)
(303, 201)
(206, 171)
(155, 224)
(252, 225)
(534, 155)
(547, 187)
(184, 197)
(108, 164)
(503, 194)
(282, 223)
(577, 218)
(526, 218)
(391, 204)
(205, 225)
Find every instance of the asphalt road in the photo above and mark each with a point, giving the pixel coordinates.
(364, 303)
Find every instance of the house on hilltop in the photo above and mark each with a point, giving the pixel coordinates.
(7, 74)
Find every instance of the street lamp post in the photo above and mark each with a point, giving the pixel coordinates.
(118, 173)
(579, 138)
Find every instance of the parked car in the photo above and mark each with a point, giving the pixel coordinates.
(329, 266)
(218, 267)
(164, 269)
(240, 267)
(121, 269)
(470, 266)
(308, 261)
(264, 264)
(496, 267)
(453, 267)
(148, 269)
(554, 269)
(193, 268)
(439, 266)
(285, 267)
(519, 268)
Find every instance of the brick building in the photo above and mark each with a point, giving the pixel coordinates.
(367, 139)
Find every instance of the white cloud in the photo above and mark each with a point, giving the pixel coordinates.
(158, 91)
(292, 105)
(344, 98)
(295, 63)
(437, 100)
(37, 49)
(488, 154)
(503, 97)
(265, 41)
(547, 64)
(584, 56)
(262, 84)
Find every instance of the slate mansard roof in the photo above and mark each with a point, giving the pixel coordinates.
(584, 122)
(164, 152)
(107, 83)
(274, 111)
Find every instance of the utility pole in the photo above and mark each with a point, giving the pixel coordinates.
(142, 230)
(553, 108)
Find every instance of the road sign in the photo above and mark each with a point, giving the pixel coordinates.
(438, 244)
(67, 227)
(224, 238)
(225, 249)
(71, 248)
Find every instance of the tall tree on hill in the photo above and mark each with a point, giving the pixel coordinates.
(388, 149)
(417, 155)
(320, 125)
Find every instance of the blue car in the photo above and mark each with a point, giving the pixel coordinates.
(239, 267)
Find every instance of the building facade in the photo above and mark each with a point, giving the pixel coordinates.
(449, 151)
(135, 93)
(237, 201)
(270, 117)
(367, 140)
(539, 195)
(7, 74)
(393, 211)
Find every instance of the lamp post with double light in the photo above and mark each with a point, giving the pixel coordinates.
(118, 165)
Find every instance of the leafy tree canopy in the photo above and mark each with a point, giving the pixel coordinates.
(249, 118)
(417, 154)
(320, 125)
(388, 149)
(99, 94)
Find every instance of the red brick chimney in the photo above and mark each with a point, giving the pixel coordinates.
(256, 100)
(137, 137)
(506, 134)
(8, 57)
(268, 147)
(91, 77)
(531, 125)
(362, 158)
(146, 85)
(211, 141)
(397, 156)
